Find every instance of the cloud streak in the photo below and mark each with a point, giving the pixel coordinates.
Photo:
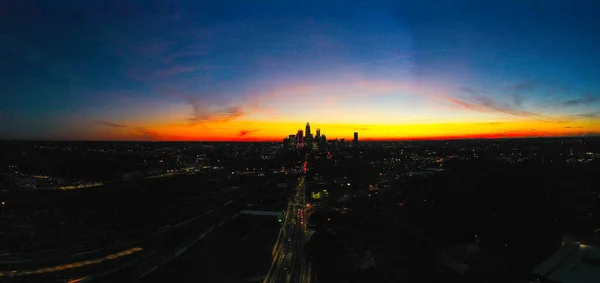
(243, 133)
(203, 112)
(582, 100)
(109, 124)
(589, 115)
(517, 90)
(172, 71)
(143, 133)
(139, 133)
(479, 101)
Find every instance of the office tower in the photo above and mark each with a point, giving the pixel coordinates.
(292, 138)
(323, 139)
(318, 136)
(299, 137)
(286, 144)
(355, 140)
(308, 129)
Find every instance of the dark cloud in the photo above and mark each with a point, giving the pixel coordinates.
(482, 103)
(204, 109)
(523, 86)
(109, 124)
(589, 115)
(140, 133)
(166, 72)
(246, 132)
(573, 127)
(471, 91)
(480, 100)
(517, 91)
(145, 134)
(201, 112)
(582, 100)
(226, 114)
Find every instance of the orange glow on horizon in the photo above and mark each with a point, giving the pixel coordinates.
(250, 131)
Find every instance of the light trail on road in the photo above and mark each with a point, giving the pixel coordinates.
(71, 265)
(279, 250)
(291, 259)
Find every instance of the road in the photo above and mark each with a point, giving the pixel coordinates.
(289, 264)
(89, 261)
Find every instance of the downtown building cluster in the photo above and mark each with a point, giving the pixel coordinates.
(305, 139)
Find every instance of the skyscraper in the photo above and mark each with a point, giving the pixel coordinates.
(355, 140)
(307, 136)
(286, 144)
(318, 136)
(299, 137)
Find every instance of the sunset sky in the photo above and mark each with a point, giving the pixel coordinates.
(259, 70)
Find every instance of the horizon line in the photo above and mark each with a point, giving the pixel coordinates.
(454, 138)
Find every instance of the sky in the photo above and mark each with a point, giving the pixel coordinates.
(259, 70)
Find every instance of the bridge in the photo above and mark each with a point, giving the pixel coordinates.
(279, 214)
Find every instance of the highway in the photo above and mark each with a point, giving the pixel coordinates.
(138, 247)
(289, 264)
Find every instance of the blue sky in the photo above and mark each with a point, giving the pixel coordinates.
(134, 69)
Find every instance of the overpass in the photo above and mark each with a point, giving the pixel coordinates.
(279, 214)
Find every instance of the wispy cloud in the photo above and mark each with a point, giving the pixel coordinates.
(517, 91)
(489, 105)
(479, 101)
(143, 133)
(171, 71)
(471, 90)
(523, 86)
(137, 132)
(205, 106)
(203, 112)
(472, 98)
(185, 54)
(109, 124)
(587, 98)
(595, 114)
(246, 132)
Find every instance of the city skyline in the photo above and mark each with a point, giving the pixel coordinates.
(242, 71)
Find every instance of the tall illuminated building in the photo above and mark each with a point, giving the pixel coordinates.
(300, 137)
(307, 136)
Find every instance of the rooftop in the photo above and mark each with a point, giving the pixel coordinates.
(573, 262)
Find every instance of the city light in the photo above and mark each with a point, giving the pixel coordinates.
(72, 265)
(156, 141)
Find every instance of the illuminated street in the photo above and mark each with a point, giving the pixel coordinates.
(70, 265)
(288, 263)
